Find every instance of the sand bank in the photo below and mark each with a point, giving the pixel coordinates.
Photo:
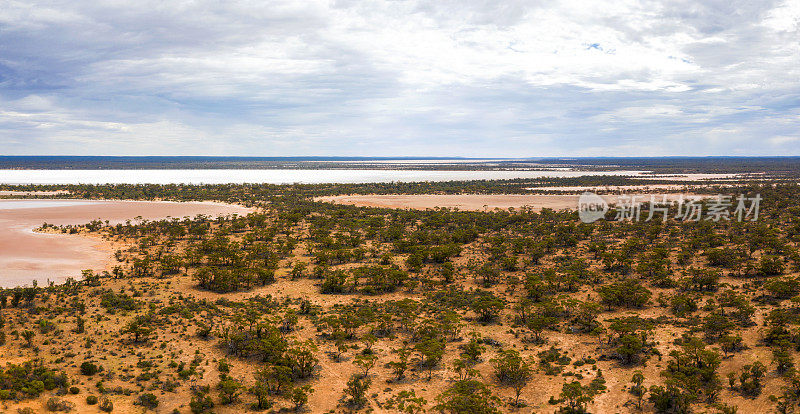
(614, 188)
(32, 193)
(475, 201)
(26, 256)
(691, 177)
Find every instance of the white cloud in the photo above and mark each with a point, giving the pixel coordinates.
(398, 78)
(782, 140)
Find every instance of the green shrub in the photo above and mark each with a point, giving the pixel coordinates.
(28, 380)
(147, 400)
(55, 404)
(113, 302)
(88, 368)
(106, 405)
(201, 403)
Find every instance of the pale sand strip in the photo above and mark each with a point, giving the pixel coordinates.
(32, 193)
(476, 202)
(615, 187)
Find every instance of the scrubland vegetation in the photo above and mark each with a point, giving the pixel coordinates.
(315, 307)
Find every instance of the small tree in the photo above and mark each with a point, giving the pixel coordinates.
(147, 400)
(576, 396)
(276, 378)
(302, 358)
(28, 336)
(468, 396)
(400, 366)
(261, 391)
(627, 293)
(355, 395)
(431, 351)
(369, 341)
(487, 306)
(201, 403)
(669, 399)
(464, 369)
(473, 349)
(298, 270)
(299, 396)
(88, 368)
(730, 343)
(538, 322)
(513, 371)
(229, 390)
(630, 346)
(365, 362)
(140, 328)
(80, 325)
(406, 402)
(638, 389)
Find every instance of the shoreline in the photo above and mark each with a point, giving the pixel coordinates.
(27, 254)
(477, 202)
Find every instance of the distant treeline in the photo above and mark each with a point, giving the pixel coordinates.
(254, 194)
(776, 165)
(256, 163)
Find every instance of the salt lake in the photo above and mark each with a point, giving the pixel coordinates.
(26, 255)
(283, 176)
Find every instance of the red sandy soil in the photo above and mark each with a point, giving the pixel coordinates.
(26, 255)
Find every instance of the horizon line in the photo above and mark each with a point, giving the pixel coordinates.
(346, 157)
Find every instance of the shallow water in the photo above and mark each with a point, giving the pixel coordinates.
(287, 176)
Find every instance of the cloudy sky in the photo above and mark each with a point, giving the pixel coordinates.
(414, 78)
